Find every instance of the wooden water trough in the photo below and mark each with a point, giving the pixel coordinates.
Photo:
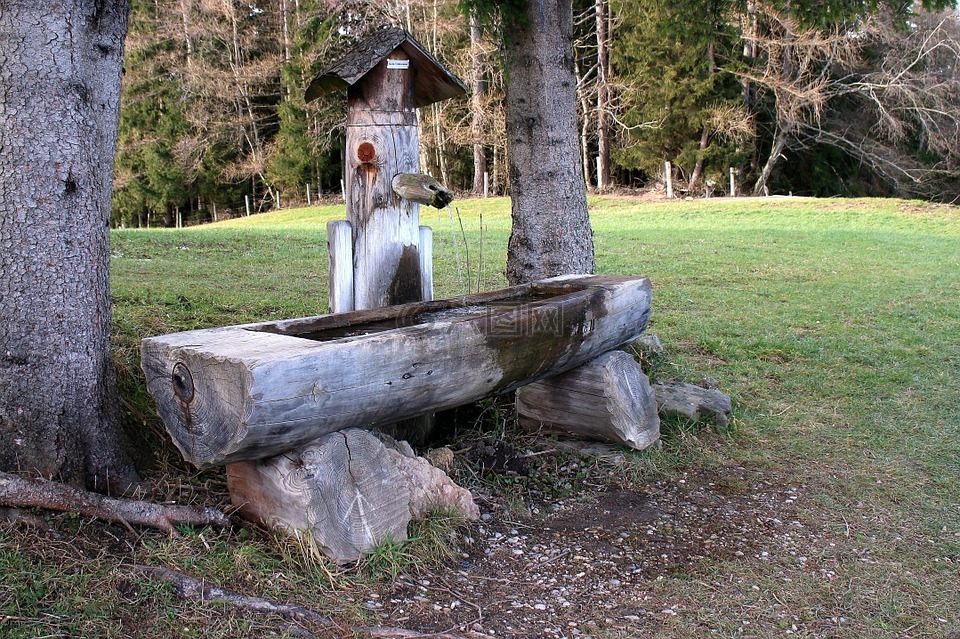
(257, 390)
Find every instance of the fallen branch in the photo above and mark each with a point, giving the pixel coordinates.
(188, 587)
(385, 632)
(20, 492)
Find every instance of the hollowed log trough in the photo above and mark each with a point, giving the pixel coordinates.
(257, 390)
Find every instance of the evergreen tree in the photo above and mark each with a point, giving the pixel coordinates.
(682, 106)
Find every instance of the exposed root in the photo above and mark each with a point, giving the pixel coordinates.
(195, 589)
(192, 588)
(385, 632)
(21, 492)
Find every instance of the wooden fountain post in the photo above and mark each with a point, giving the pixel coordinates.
(387, 77)
(349, 488)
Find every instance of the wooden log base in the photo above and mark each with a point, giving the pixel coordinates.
(348, 489)
(431, 489)
(608, 399)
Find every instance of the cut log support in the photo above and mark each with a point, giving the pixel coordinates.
(422, 189)
(258, 390)
(608, 399)
(348, 490)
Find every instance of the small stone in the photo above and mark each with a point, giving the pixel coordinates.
(649, 343)
(709, 383)
(442, 458)
(676, 399)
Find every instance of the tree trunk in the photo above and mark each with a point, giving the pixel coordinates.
(704, 134)
(60, 69)
(603, 95)
(779, 144)
(701, 154)
(551, 228)
(584, 122)
(187, 40)
(477, 106)
(749, 36)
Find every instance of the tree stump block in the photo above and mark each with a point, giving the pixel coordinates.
(347, 489)
(607, 399)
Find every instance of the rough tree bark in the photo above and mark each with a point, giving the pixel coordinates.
(551, 228)
(60, 67)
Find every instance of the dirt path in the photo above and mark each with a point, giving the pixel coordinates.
(588, 566)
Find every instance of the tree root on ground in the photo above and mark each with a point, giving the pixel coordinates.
(188, 587)
(21, 492)
(384, 632)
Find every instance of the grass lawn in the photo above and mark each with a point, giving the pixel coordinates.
(834, 325)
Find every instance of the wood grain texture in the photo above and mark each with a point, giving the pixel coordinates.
(382, 141)
(259, 390)
(340, 259)
(431, 489)
(426, 263)
(607, 399)
(422, 189)
(344, 489)
(348, 490)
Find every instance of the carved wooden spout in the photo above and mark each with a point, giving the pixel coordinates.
(422, 189)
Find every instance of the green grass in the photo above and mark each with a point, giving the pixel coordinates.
(834, 324)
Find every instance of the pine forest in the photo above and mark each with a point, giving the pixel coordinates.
(827, 98)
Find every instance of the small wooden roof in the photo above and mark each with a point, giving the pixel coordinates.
(433, 82)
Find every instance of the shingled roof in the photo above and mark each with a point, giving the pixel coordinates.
(433, 82)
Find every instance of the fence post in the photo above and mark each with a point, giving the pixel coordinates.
(340, 256)
(426, 262)
(668, 172)
(246, 200)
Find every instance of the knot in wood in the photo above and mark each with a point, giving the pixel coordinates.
(182, 383)
(366, 152)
